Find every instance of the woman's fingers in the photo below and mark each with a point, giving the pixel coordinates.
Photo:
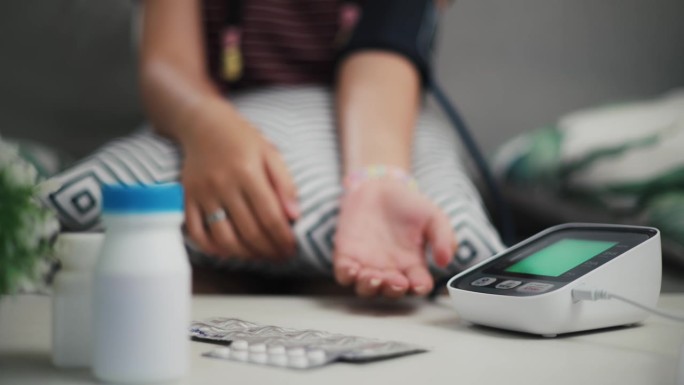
(280, 178)
(345, 269)
(440, 236)
(223, 234)
(194, 224)
(221, 230)
(395, 284)
(247, 226)
(420, 280)
(369, 282)
(266, 207)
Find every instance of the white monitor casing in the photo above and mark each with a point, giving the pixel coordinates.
(635, 274)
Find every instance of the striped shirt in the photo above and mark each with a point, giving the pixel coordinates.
(282, 41)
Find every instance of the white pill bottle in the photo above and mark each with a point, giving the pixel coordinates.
(142, 286)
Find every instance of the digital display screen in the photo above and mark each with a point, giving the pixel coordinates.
(560, 257)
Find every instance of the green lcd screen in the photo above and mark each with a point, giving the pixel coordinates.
(560, 257)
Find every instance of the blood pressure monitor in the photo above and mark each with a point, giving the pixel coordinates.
(528, 287)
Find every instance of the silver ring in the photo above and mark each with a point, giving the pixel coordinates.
(216, 216)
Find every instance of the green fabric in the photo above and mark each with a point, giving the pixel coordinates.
(666, 212)
(539, 160)
(541, 163)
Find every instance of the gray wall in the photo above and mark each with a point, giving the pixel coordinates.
(516, 65)
(67, 70)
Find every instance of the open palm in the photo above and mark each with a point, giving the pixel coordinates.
(381, 236)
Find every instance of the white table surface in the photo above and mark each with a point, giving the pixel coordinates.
(460, 354)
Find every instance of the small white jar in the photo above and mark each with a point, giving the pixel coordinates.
(72, 298)
(142, 287)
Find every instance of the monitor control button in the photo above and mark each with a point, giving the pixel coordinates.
(534, 288)
(508, 284)
(484, 281)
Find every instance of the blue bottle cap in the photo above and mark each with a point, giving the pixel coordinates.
(142, 199)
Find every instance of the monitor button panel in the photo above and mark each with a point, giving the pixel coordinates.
(506, 286)
(535, 287)
(484, 281)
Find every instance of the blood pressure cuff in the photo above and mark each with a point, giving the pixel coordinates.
(406, 27)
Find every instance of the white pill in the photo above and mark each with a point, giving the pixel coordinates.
(276, 349)
(222, 352)
(239, 355)
(316, 356)
(240, 345)
(257, 348)
(299, 362)
(296, 352)
(278, 360)
(259, 358)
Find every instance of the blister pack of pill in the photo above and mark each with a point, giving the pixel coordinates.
(291, 348)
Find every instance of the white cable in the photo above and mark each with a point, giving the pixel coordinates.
(580, 294)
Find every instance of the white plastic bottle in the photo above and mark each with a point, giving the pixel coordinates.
(72, 299)
(142, 287)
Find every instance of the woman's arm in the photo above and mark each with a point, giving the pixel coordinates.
(227, 164)
(173, 69)
(384, 225)
(378, 97)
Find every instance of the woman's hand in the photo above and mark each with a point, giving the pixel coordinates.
(230, 166)
(382, 233)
